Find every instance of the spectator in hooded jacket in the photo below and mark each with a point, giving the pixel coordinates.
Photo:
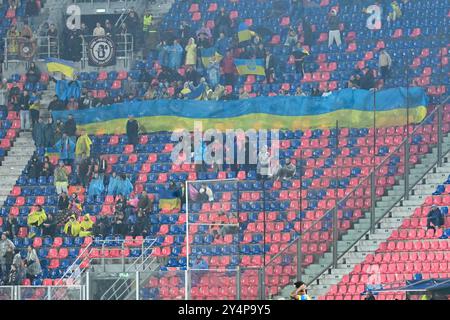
(72, 226)
(113, 185)
(124, 186)
(96, 187)
(66, 149)
(86, 226)
(175, 53)
(33, 264)
(36, 217)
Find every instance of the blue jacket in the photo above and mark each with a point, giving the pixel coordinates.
(222, 46)
(61, 89)
(66, 149)
(175, 56)
(96, 188)
(163, 55)
(124, 187)
(112, 186)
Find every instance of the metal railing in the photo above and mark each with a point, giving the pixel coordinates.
(74, 272)
(74, 292)
(369, 182)
(38, 48)
(119, 289)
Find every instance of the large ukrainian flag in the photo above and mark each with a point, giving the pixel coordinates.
(351, 108)
(65, 67)
(250, 66)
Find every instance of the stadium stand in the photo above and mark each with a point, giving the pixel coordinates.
(271, 214)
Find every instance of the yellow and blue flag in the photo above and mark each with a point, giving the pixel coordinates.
(197, 93)
(65, 67)
(250, 66)
(244, 32)
(207, 54)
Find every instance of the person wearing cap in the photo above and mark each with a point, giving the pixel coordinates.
(300, 292)
(435, 218)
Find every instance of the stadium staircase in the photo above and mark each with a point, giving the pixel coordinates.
(14, 163)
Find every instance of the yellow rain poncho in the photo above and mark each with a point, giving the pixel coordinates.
(86, 226)
(72, 227)
(83, 147)
(36, 218)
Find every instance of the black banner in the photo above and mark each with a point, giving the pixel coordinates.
(101, 52)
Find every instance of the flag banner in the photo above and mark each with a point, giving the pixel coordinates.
(102, 52)
(250, 66)
(244, 33)
(207, 54)
(65, 67)
(352, 108)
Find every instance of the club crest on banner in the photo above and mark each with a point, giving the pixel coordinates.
(102, 52)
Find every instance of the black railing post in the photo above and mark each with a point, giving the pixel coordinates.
(372, 201)
(335, 210)
(406, 173)
(299, 258)
(439, 136)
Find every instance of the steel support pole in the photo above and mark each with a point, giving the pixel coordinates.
(439, 136)
(299, 258)
(406, 165)
(238, 283)
(372, 202)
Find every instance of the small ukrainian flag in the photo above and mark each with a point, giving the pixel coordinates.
(207, 54)
(244, 32)
(58, 65)
(250, 66)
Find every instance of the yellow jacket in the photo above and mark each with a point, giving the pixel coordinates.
(83, 147)
(74, 226)
(36, 218)
(86, 226)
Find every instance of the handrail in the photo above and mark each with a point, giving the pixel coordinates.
(338, 205)
(134, 265)
(75, 264)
